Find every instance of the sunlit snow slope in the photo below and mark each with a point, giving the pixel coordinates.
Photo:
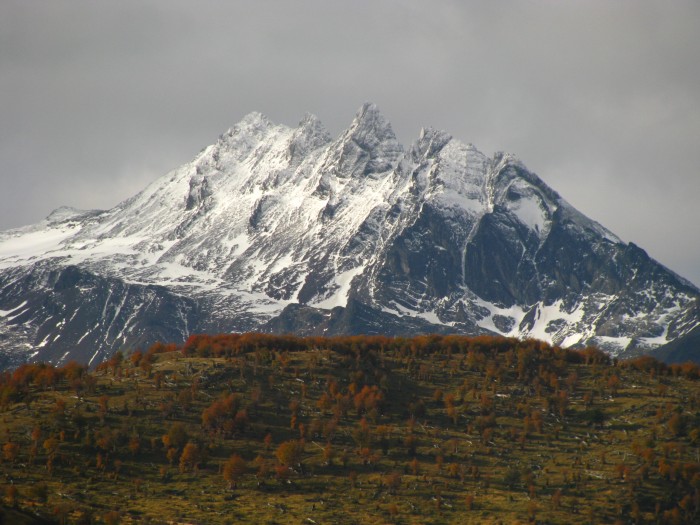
(287, 229)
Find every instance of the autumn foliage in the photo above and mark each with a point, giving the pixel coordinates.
(385, 429)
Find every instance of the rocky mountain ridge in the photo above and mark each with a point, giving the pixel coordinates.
(289, 230)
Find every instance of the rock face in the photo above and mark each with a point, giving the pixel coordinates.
(289, 230)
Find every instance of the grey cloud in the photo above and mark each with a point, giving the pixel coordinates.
(601, 99)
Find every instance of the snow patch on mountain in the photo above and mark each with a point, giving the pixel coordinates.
(7, 313)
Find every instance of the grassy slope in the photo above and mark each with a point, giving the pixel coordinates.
(607, 449)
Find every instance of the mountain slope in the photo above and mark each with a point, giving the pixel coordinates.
(436, 237)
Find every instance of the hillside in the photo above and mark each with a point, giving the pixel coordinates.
(434, 429)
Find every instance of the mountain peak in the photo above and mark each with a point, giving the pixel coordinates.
(367, 148)
(370, 123)
(368, 108)
(308, 135)
(310, 124)
(430, 141)
(439, 238)
(309, 120)
(254, 118)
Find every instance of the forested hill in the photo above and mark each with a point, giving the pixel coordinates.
(434, 429)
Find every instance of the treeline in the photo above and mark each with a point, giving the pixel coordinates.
(14, 385)
(231, 345)
(531, 354)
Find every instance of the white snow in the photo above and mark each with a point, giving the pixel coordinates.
(5, 313)
(20, 247)
(613, 344)
(571, 340)
(83, 337)
(514, 312)
(547, 313)
(431, 317)
(343, 282)
(655, 341)
(544, 315)
(530, 213)
(93, 356)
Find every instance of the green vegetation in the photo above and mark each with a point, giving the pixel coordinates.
(262, 429)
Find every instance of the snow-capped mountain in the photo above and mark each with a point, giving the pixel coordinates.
(288, 229)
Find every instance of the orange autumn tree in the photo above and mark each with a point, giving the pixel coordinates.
(234, 470)
(289, 453)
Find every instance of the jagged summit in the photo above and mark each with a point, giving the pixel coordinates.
(310, 134)
(253, 120)
(368, 148)
(430, 142)
(275, 226)
(370, 123)
(310, 124)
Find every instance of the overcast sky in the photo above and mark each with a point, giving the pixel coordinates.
(600, 98)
